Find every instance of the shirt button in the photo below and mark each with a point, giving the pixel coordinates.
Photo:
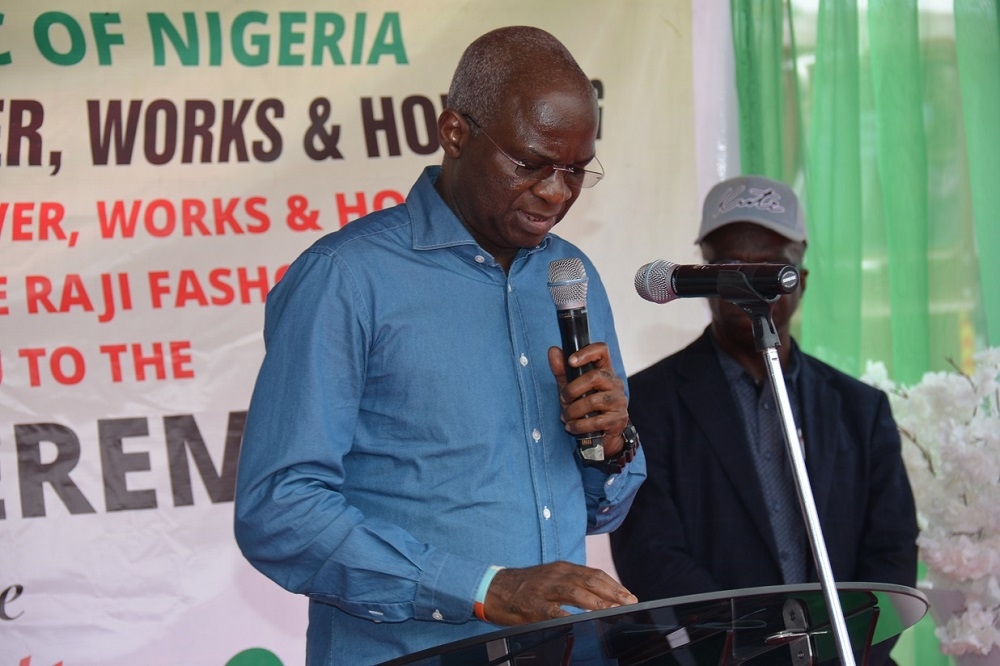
(480, 258)
(535, 435)
(437, 615)
(524, 360)
(546, 513)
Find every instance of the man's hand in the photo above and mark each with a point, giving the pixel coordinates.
(533, 594)
(596, 400)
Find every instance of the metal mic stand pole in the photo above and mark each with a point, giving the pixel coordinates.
(736, 289)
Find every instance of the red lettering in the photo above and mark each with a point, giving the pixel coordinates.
(118, 218)
(387, 199)
(347, 213)
(180, 356)
(220, 286)
(3, 295)
(219, 280)
(50, 217)
(253, 206)
(74, 293)
(246, 284)
(157, 290)
(149, 220)
(153, 359)
(194, 216)
(37, 289)
(77, 365)
(22, 222)
(114, 354)
(34, 355)
(160, 217)
(189, 289)
(224, 216)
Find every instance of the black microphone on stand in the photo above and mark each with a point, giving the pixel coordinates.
(661, 281)
(568, 286)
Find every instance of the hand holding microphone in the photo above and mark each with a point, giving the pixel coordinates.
(568, 287)
(598, 405)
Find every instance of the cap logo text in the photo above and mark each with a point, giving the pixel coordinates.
(767, 200)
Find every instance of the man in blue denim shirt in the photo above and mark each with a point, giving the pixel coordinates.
(409, 459)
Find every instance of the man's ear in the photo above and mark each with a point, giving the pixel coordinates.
(452, 132)
(803, 274)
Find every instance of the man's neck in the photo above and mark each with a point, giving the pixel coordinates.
(753, 360)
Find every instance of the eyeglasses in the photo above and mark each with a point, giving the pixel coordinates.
(575, 176)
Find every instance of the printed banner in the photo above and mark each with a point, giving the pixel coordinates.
(161, 163)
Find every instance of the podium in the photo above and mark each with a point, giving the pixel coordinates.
(787, 624)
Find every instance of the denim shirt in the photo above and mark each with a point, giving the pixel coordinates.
(404, 432)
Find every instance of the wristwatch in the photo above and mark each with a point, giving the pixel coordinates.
(616, 463)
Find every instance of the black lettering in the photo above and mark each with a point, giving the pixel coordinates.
(413, 131)
(34, 474)
(182, 435)
(26, 116)
(169, 131)
(115, 464)
(275, 107)
(372, 126)
(232, 130)
(195, 128)
(101, 136)
(6, 596)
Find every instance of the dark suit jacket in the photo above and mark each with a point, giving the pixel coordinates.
(698, 523)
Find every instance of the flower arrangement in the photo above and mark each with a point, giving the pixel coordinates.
(950, 428)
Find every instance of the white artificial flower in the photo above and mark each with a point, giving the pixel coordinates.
(949, 424)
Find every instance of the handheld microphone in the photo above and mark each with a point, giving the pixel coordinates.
(568, 286)
(661, 281)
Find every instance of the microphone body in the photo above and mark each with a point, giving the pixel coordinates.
(661, 281)
(568, 286)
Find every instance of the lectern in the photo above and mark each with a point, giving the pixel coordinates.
(787, 624)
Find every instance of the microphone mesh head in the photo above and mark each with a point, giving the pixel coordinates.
(652, 281)
(568, 283)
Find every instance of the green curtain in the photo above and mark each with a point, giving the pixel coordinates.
(886, 121)
(901, 169)
(977, 40)
(899, 173)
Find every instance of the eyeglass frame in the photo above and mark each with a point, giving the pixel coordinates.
(569, 171)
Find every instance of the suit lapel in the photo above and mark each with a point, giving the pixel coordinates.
(719, 418)
(820, 428)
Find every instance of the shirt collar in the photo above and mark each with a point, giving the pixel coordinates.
(434, 224)
(733, 370)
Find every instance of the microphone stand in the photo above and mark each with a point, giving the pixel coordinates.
(735, 288)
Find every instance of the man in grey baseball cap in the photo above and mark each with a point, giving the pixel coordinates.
(719, 509)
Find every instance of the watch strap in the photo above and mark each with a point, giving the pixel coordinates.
(617, 463)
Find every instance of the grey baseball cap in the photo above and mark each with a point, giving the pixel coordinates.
(769, 203)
